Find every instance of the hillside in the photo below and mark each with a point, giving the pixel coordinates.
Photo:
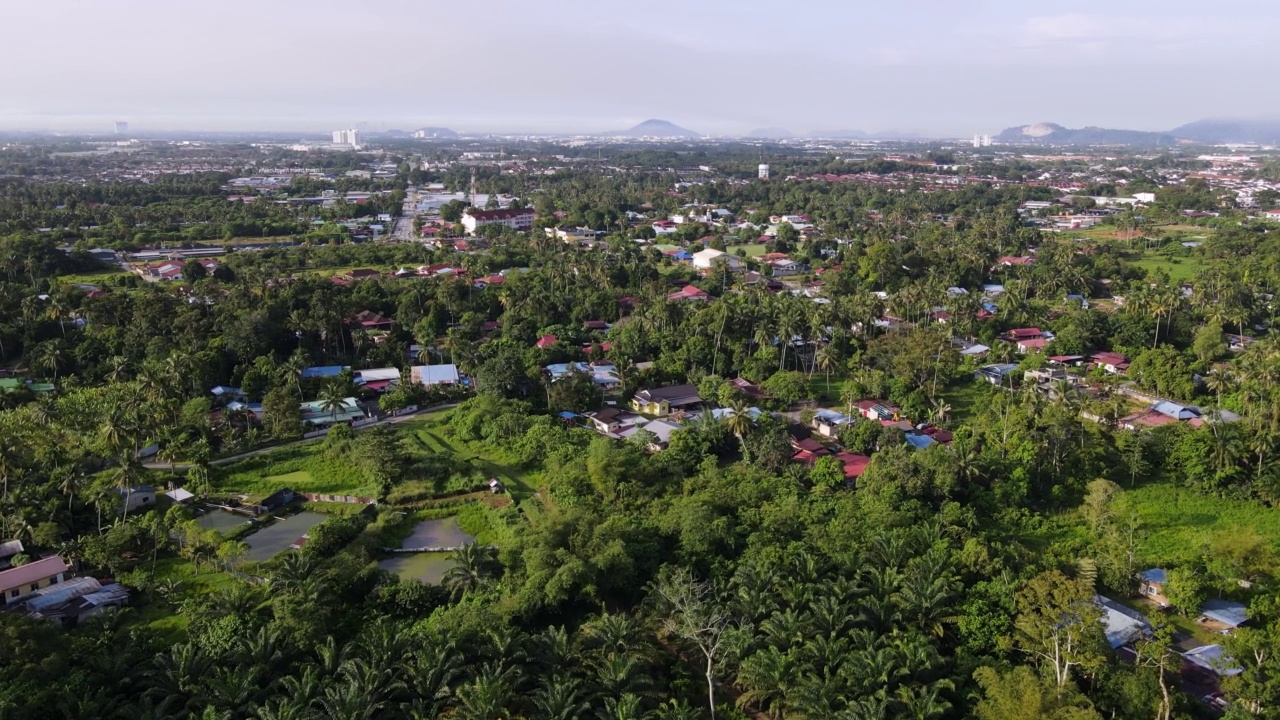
(1054, 134)
(1226, 130)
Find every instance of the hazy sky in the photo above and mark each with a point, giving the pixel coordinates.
(950, 67)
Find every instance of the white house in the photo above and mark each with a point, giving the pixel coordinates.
(705, 259)
(521, 219)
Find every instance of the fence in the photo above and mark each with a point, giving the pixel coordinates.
(350, 499)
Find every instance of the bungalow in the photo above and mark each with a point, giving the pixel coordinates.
(1112, 362)
(596, 325)
(546, 341)
(877, 409)
(918, 440)
(662, 429)
(706, 259)
(137, 496)
(854, 464)
(1176, 411)
(432, 375)
(9, 550)
(315, 412)
(18, 582)
(603, 374)
(1031, 345)
(689, 292)
(224, 392)
(488, 280)
(1124, 626)
(611, 421)
(1017, 334)
(1151, 586)
(662, 401)
(810, 446)
(371, 320)
(1210, 660)
(378, 379)
(363, 274)
(1223, 616)
(995, 374)
(748, 388)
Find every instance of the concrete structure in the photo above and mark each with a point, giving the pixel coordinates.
(138, 496)
(431, 375)
(519, 220)
(705, 259)
(763, 171)
(662, 401)
(347, 137)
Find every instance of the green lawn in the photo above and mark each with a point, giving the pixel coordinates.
(92, 278)
(1177, 522)
(966, 400)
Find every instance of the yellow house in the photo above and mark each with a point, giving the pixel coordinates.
(663, 401)
(18, 582)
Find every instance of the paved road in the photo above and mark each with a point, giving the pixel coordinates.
(403, 229)
(389, 420)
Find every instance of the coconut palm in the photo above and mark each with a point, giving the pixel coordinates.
(471, 567)
(738, 421)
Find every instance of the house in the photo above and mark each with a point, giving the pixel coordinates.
(1223, 616)
(432, 375)
(811, 447)
(546, 341)
(181, 496)
(275, 501)
(137, 496)
(611, 421)
(706, 259)
(516, 219)
(1112, 362)
(1176, 411)
(1211, 661)
(689, 292)
(371, 320)
(76, 600)
(1016, 334)
(1124, 626)
(748, 388)
(995, 374)
(377, 379)
(663, 401)
(315, 412)
(829, 422)
(1032, 345)
(18, 582)
(224, 392)
(877, 409)
(363, 274)
(1151, 586)
(918, 440)
(596, 325)
(661, 428)
(854, 464)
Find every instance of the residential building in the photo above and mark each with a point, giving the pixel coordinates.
(516, 219)
(829, 422)
(665, 400)
(689, 292)
(762, 172)
(377, 379)
(1210, 661)
(136, 497)
(1151, 586)
(706, 259)
(18, 582)
(1112, 362)
(1124, 626)
(315, 412)
(1223, 616)
(432, 375)
(8, 550)
(370, 320)
(350, 138)
(662, 430)
(877, 410)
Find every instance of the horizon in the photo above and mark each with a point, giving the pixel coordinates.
(931, 69)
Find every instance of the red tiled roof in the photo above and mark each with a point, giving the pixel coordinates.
(547, 341)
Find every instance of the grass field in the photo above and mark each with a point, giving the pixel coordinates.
(752, 250)
(1178, 522)
(192, 582)
(431, 431)
(1178, 268)
(304, 468)
(966, 399)
(93, 278)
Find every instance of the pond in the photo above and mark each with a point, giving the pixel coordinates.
(222, 522)
(278, 536)
(427, 567)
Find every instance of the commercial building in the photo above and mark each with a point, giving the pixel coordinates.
(516, 219)
(347, 137)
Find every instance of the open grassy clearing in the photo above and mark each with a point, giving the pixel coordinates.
(304, 468)
(1178, 268)
(1178, 522)
(751, 250)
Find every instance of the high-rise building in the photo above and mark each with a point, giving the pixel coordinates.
(347, 137)
(764, 172)
(122, 127)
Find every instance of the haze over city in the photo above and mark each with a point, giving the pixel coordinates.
(932, 67)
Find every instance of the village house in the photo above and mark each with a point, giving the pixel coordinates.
(611, 421)
(665, 400)
(1123, 625)
(314, 412)
(706, 259)
(1151, 584)
(18, 582)
(546, 341)
(370, 320)
(829, 422)
(689, 293)
(9, 550)
(1112, 362)
(662, 429)
(853, 464)
(878, 410)
(1208, 664)
(135, 497)
(1223, 616)
(432, 375)
(377, 379)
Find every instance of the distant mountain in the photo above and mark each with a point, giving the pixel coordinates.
(772, 133)
(1054, 134)
(395, 134)
(656, 128)
(436, 132)
(1214, 131)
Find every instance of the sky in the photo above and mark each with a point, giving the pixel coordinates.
(943, 68)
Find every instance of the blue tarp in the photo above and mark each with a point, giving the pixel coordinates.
(322, 371)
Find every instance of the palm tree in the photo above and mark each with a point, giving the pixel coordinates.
(738, 421)
(560, 698)
(50, 356)
(333, 398)
(471, 568)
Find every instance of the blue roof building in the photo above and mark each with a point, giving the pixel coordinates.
(322, 371)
